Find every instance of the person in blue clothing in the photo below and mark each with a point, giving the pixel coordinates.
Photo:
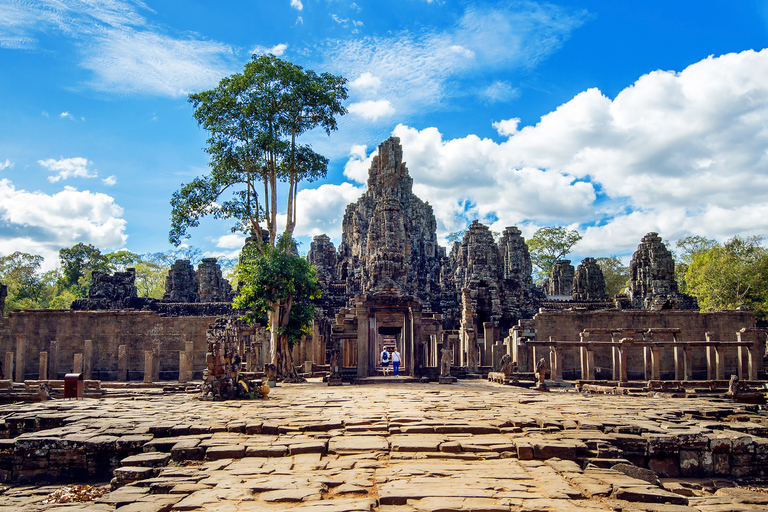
(395, 362)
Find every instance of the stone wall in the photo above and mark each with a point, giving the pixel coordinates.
(566, 326)
(137, 330)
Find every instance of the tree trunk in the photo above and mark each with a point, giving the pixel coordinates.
(287, 371)
(274, 339)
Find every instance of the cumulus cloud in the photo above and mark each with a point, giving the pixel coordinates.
(5, 165)
(321, 210)
(372, 109)
(232, 241)
(67, 115)
(66, 168)
(366, 83)
(110, 180)
(680, 153)
(296, 4)
(41, 224)
(126, 53)
(356, 168)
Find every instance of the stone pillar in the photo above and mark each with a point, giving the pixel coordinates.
(719, 362)
(122, 363)
(688, 363)
(415, 367)
(53, 360)
(363, 329)
(42, 373)
(615, 352)
(21, 342)
(473, 354)
(648, 363)
(77, 364)
(623, 362)
(655, 363)
(711, 359)
(590, 367)
(8, 366)
(149, 365)
(557, 363)
(87, 359)
(189, 349)
(680, 363)
(184, 369)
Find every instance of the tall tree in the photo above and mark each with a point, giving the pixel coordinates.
(615, 273)
(549, 244)
(254, 120)
(28, 287)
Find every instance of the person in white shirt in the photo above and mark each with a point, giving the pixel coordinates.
(396, 362)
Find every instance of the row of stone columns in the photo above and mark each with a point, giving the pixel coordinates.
(48, 367)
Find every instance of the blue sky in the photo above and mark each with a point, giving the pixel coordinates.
(614, 118)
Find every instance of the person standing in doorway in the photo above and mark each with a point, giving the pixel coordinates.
(395, 362)
(385, 361)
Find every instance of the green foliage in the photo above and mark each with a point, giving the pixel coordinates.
(78, 262)
(28, 287)
(456, 236)
(276, 279)
(688, 249)
(730, 276)
(63, 300)
(547, 245)
(253, 119)
(615, 273)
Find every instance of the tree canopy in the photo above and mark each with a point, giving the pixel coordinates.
(548, 245)
(254, 119)
(615, 273)
(730, 276)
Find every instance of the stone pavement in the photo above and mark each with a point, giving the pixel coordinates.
(473, 446)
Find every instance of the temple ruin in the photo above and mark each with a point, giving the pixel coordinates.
(390, 284)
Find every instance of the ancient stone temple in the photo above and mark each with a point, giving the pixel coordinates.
(588, 281)
(389, 240)
(212, 286)
(561, 279)
(181, 284)
(3, 295)
(652, 278)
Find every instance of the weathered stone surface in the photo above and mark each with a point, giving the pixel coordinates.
(561, 279)
(588, 281)
(212, 286)
(652, 278)
(181, 284)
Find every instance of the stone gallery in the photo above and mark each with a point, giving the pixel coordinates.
(389, 284)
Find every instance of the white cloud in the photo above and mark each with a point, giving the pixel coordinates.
(366, 83)
(126, 53)
(419, 70)
(677, 153)
(67, 115)
(499, 91)
(506, 127)
(41, 224)
(130, 62)
(5, 165)
(296, 4)
(321, 210)
(358, 164)
(372, 109)
(277, 50)
(232, 241)
(66, 168)
(110, 180)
